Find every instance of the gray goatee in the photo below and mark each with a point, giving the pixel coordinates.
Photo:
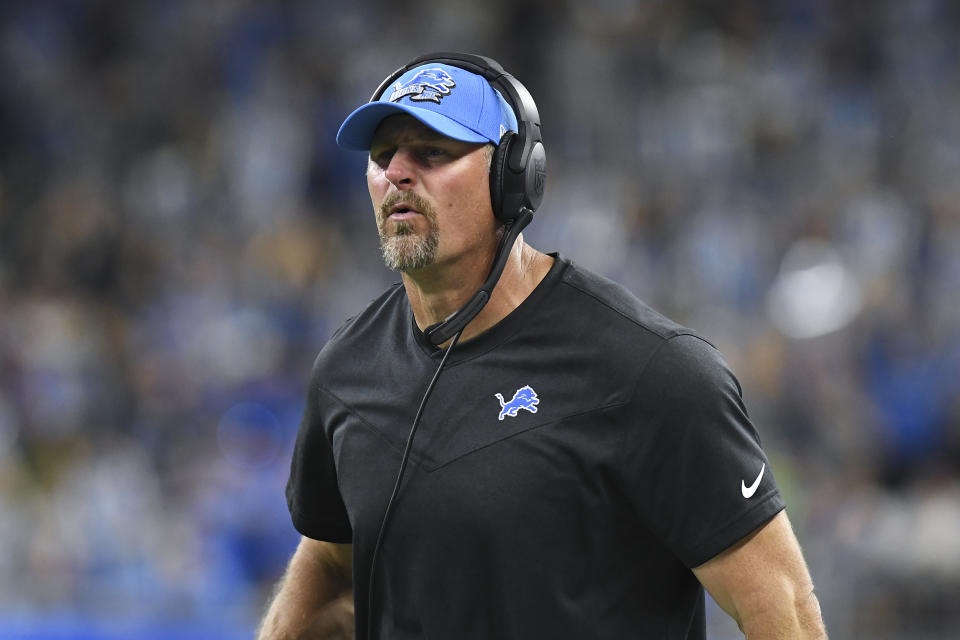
(402, 247)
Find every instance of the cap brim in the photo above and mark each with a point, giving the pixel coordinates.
(357, 130)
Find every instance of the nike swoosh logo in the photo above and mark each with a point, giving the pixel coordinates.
(752, 489)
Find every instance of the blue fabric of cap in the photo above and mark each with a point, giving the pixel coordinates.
(450, 100)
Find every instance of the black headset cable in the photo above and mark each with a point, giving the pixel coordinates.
(396, 486)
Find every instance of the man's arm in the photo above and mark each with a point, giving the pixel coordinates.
(764, 584)
(313, 600)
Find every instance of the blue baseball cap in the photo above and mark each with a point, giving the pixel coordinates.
(450, 100)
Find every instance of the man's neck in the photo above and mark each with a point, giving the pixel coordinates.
(435, 295)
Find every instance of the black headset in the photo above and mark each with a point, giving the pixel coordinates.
(518, 172)
(519, 168)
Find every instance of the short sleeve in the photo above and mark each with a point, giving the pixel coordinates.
(693, 465)
(313, 494)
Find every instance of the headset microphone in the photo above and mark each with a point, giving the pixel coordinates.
(439, 333)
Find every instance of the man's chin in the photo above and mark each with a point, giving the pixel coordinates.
(407, 253)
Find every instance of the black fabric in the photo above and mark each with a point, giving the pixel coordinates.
(580, 519)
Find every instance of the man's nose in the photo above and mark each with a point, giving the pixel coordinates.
(400, 171)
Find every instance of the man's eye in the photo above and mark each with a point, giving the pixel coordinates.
(382, 158)
(435, 152)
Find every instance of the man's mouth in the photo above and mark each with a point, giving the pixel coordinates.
(401, 211)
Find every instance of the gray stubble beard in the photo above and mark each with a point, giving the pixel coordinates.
(405, 250)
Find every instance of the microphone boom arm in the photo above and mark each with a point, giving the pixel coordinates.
(443, 331)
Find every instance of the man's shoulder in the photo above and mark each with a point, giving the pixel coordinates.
(370, 325)
(609, 302)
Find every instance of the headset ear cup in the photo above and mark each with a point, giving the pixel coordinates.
(535, 177)
(498, 168)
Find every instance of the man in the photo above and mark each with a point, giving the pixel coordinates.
(584, 466)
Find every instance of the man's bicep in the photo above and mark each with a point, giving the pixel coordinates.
(343, 555)
(764, 584)
(314, 592)
(335, 559)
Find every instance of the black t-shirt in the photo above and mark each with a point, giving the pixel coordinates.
(573, 463)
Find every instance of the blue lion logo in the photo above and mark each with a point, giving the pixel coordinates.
(524, 398)
(428, 85)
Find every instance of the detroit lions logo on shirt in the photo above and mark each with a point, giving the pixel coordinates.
(428, 85)
(523, 398)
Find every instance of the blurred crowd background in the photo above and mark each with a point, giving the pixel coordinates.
(179, 235)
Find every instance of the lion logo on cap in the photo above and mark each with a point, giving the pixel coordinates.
(429, 85)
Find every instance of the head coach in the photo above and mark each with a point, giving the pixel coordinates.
(505, 445)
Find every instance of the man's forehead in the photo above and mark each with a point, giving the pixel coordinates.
(402, 127)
